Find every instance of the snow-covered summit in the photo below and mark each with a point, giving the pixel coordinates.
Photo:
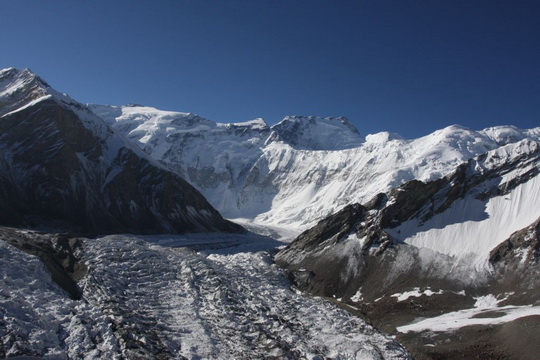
(255, 124)
(22, 88)
(316, 133)
(19, 88)
(272, 176)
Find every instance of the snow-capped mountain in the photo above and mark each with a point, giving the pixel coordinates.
(314, 133)
(472, 235)
(423, 237)
(302, 169)
(61, 165)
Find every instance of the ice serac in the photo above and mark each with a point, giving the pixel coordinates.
(63, 166)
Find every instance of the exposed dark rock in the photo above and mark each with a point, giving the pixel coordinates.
(524, 243)
(516, 264)
(59, 252)
(63, 167)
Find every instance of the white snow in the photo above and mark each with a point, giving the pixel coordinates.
(316, 133)
(416, 293)
(471, 228)
(485, 312)
(357, 297)
(248, 170)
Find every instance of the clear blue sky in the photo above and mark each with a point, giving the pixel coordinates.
(409, 67)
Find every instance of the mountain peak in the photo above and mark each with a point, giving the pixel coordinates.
(316, 133)
(22, 88)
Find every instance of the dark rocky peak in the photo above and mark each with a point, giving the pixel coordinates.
(316, 133)
(64, 167)
(19, 88)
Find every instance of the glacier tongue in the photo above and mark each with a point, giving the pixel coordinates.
(142, 300)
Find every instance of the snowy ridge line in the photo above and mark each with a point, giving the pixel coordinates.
(252, 171)
(489, 212)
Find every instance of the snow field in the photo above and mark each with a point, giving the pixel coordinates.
(472, 228)
(485, 305)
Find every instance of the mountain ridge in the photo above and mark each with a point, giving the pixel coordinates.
(61, 164)
(252, 173)
(425, 237)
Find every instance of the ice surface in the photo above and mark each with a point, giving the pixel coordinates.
(150, 295)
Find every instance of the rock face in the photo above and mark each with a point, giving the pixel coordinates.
(62, 166)
(516, 262)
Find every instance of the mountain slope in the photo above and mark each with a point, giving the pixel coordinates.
(302, 169)
(464, 246)
(61, 165)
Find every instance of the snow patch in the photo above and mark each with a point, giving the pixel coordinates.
(416, 293)
(357, 297)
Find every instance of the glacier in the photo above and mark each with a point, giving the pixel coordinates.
(156, 297)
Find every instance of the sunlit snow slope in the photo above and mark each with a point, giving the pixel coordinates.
(302, 169)
(471, 227)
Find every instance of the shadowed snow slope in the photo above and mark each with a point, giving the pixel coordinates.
(61, 165)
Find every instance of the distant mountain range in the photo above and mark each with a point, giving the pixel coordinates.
(294, 173)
